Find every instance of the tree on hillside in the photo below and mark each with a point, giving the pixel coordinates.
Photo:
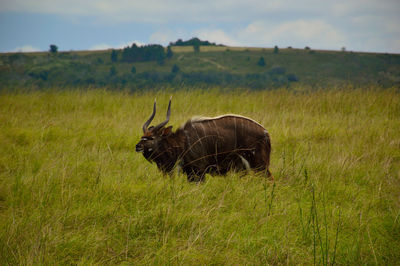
(276, 49)
(179, 42)
(196, 47)
(169, 52)
(133, 70)
(261, 62)
(114, 56)
(53, 48)
(161, 61)
(175, 69)
(277, 70)
(292, 77)
(113, 71)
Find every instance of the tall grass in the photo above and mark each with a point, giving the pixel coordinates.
(73, 191)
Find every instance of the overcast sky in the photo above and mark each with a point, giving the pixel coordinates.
(358, 25)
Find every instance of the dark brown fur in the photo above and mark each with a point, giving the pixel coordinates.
(209, 145)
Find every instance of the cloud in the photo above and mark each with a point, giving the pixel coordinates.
(26, 48)
(155, 11)
(163, 37)
(101, 46)
(166, 36)
(303, 32)
(218, 36)
(129, 43)
(104, 46)
(158, 11)
(370, 25)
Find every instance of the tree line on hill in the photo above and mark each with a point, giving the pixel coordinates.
(134, 53)
(193, 42)
(145, 53)
(155, 52)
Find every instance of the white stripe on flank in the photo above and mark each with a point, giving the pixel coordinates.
(216, 127)
(198, 137)
(204, 133)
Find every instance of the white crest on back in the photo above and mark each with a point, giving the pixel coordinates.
(196, 119)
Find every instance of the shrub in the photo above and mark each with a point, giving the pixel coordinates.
(169, 52)
(114, 56)
(53, 48)
(261, 62)
(277, 70)
(292, 77)
(113, 71)
(160, 61)
(175, 69)
(196, 47)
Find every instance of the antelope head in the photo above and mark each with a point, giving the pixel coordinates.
(152, 136)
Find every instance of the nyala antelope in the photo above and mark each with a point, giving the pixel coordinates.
(207, 145)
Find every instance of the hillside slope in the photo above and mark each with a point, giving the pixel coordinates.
(218, 66)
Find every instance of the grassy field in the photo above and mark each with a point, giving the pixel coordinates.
(73, 191)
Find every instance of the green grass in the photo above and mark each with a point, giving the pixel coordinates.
(73, 191)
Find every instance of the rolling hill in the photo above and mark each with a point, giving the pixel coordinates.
(211, 65)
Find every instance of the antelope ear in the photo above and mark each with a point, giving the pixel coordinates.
(166, 131)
